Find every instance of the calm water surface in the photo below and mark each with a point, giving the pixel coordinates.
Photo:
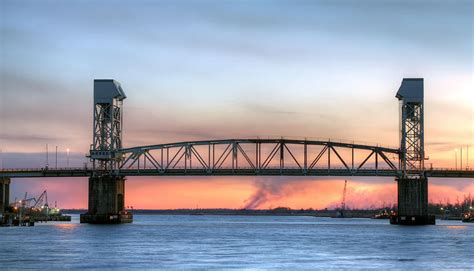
(238, 242)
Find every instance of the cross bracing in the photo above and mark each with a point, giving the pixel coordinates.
(260, 155)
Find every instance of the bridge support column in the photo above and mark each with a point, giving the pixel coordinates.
(412, 202)
(106, 201)
(4, 194)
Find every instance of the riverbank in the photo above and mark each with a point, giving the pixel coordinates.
(281, 211)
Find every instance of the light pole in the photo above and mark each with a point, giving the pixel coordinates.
(67, 157)
(456, 158)
(47, 156)
(467, 158)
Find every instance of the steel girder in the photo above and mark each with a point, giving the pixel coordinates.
(367, 172)
(258, 156)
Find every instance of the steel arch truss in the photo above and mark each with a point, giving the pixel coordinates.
(260, 157)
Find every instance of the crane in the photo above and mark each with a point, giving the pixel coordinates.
(341, 211)
(25, 202)
(32, 202)
(343, 203)
(41, 198)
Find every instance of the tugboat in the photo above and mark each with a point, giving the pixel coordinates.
(468, 217)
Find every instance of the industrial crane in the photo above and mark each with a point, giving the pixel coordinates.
(343, 203)
(41, 198)
(32, 202)
(341, 211)
(25, 202)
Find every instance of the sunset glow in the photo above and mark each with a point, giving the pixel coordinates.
(238, 192)
(233, 71)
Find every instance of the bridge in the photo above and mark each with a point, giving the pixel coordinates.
(244, 157)
(111, 163)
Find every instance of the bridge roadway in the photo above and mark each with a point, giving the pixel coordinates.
(212, 161)
(85, 172)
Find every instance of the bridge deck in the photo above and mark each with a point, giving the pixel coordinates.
(84, 172)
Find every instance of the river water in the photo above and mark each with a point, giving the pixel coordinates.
(238, 242)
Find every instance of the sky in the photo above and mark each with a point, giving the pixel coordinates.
(198, 70)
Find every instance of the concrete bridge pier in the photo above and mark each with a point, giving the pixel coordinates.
(4, 193)
(106, 201)
(412, 202)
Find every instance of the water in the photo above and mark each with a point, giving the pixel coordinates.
(238, 242)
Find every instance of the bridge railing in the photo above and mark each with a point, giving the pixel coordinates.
(44, 169)
(243, 171)
(439, 169)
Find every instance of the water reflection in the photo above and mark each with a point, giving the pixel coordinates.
(66, 226)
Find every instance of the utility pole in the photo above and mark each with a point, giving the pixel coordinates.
(456, 158)
(467, 147)
(67, 157)
(47, 158)
(56, 163)
(461, 158)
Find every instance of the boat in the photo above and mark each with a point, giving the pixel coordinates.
(27, 211)
(468, 218)
(384, 214)
(339, 214)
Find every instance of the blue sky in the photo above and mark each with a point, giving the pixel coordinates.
(226, 69)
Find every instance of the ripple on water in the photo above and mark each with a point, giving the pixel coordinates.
(239, 242)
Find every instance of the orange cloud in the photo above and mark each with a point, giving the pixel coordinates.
(446, 193)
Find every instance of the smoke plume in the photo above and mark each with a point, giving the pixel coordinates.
(268, 190)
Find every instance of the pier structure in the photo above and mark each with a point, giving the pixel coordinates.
(4, 194)
(412, 187)
(106, 190)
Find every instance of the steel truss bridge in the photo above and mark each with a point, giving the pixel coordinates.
(252, 157)
(111, 162)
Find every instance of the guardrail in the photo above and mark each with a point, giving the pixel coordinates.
(90, 169)
(244, 171)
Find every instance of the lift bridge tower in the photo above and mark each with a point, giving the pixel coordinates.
(106, 191)
(412, 185)
(107, 130)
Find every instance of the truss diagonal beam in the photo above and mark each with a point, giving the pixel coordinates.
(180, 157)
(389, 163)
(270, 156)
(315, 161)
(340, 158)
(153, 161)
(366, 159)
(226, 152)
(242, 151)
(294, 159)
(199, 157)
